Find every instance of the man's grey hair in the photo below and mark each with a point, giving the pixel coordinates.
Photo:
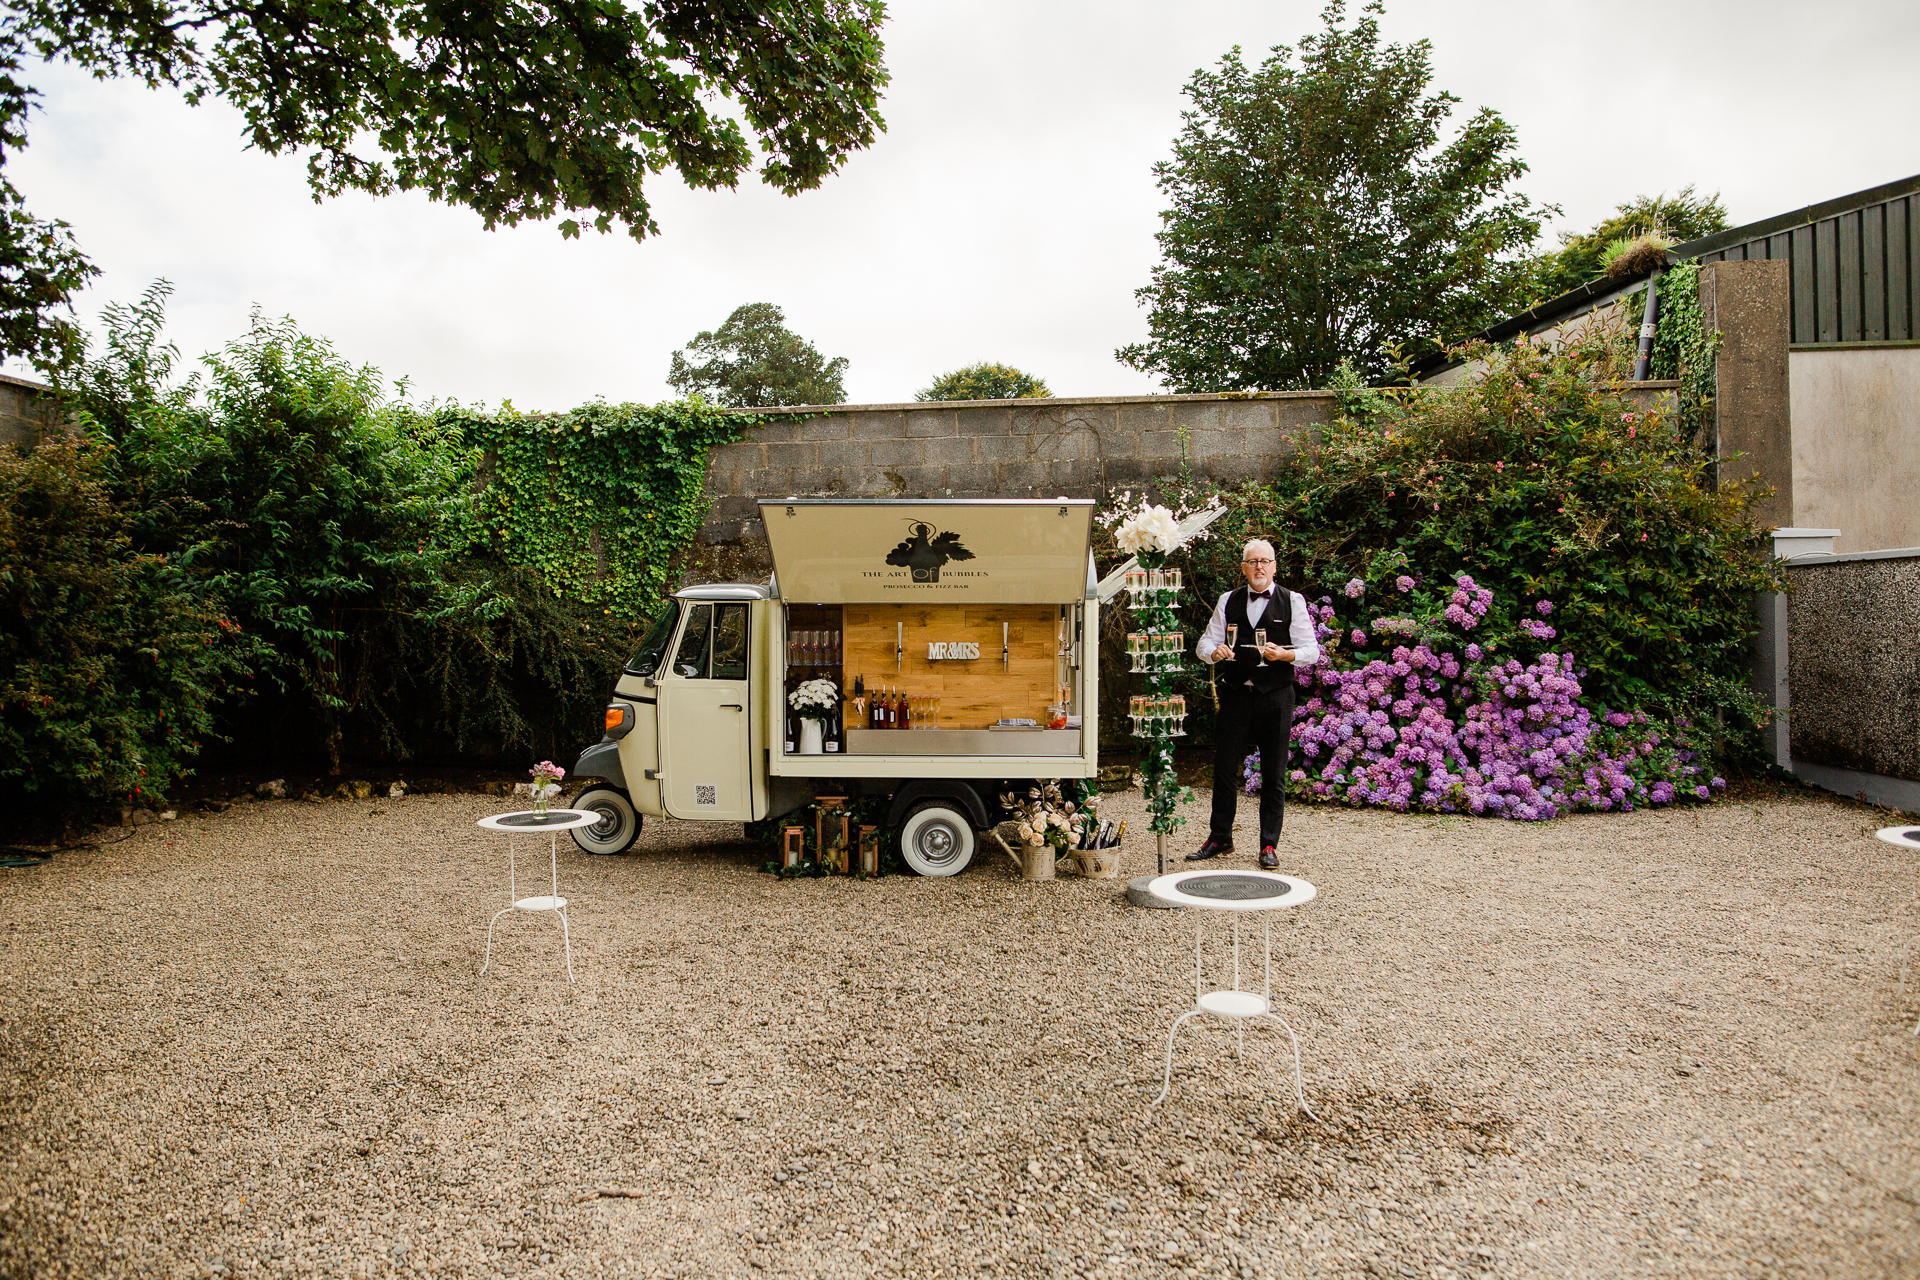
(1261, 543)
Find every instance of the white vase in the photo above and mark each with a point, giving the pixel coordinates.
(812, 735)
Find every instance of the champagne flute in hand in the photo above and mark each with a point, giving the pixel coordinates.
(1260, 643)
(1233, 636)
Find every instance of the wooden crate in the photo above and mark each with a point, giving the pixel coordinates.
(975, 692)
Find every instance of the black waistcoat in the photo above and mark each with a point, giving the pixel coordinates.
(1245, 664)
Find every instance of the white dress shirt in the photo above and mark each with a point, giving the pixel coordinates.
(1300, 634)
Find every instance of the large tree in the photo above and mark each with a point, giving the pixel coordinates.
(1581, 257)
(1316, 217)
(519, 109)
(754, 361)
(986, 381)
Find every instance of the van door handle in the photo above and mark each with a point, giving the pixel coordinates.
(731, 706)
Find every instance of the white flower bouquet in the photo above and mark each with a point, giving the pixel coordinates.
(1151, 528)
(815, 699)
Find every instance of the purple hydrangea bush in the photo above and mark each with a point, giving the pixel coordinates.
(1421, 726)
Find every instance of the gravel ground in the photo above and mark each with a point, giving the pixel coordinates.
(257, 1042)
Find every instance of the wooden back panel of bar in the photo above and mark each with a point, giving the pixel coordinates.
(973, 693)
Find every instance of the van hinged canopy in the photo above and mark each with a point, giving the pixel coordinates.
(952, 550)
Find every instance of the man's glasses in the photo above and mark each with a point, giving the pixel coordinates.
(1256, 562)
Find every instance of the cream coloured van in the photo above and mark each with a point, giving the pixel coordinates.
(958, 638)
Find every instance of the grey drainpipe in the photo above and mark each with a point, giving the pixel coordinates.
(1643, 367)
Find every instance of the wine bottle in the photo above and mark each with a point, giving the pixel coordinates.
(1120, 831)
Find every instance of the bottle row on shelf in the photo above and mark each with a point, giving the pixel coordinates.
(1150, 714)
(885, 707)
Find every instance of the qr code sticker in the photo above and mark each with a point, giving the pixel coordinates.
(706, 793)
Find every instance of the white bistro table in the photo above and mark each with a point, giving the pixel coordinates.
(1236, 892)
(553, 822)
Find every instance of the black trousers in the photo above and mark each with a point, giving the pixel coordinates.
(1249, 719)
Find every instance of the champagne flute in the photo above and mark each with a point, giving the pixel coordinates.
(1233, 636)
(1260, 642)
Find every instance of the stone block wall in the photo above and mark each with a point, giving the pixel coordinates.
(26, 411)
(1853, 664)
(1081, 448)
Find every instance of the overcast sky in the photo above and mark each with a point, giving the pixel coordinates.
(1007, 213)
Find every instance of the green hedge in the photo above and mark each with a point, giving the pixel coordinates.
(375, 580)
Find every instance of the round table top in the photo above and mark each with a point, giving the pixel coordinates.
(1905, 837)
(551, 820)
(1232, 890)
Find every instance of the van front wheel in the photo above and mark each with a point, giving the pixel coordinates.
(937, 839)
(619, 824)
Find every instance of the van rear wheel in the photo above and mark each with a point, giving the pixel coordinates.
(619, 824)
(937, 839)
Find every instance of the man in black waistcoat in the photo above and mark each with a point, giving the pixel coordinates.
(1256, 702)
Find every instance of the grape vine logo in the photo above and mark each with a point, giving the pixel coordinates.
(926, 550)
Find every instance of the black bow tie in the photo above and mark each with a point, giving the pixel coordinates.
(1260, 595)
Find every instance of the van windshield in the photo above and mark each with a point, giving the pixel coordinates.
(646, 660)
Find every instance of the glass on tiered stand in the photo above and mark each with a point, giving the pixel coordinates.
(1179, 712)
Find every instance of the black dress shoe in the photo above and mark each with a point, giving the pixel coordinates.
(1269, 860)
(1211, 849)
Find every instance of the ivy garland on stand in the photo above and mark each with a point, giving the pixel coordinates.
(1157, 651)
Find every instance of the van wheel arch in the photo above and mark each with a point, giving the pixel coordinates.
(961, 794)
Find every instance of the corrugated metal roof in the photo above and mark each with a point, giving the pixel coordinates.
(1855, 271)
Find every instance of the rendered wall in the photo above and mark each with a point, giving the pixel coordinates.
(1078, 448)
(1754, 427)
(1853, 658)
(1856, 444)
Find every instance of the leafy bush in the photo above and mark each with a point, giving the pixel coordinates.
(109, 658)
(1540, 481)
(1424, 726)
(412, 581)
(1582, 257)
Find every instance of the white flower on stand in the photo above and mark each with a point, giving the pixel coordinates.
(1152, 528)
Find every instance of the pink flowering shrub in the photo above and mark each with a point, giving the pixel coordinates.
(1423, 727)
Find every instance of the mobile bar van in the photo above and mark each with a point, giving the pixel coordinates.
(957, 643)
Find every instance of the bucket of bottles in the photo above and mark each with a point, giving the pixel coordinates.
(1098, 864)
